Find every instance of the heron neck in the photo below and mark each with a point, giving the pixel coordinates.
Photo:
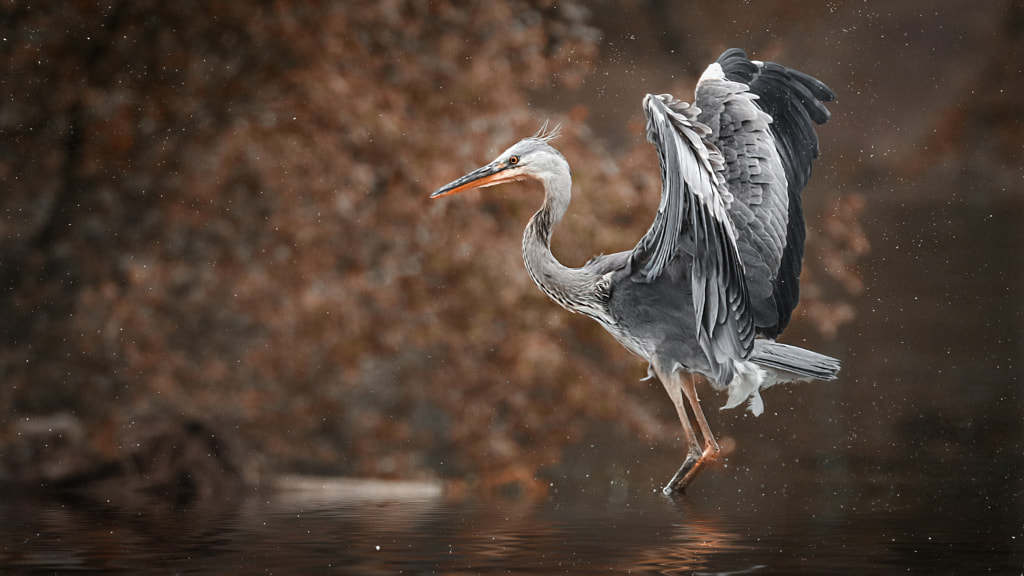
(554, 279)
(557, 195)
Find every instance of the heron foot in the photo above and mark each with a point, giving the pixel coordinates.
(679, 481)
(693, 464)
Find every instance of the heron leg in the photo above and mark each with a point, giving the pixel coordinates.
(711, 448)
(688, 471)
(676, 391)
(697, 459)
(676, 394)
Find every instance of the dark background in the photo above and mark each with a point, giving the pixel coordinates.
(215, 227)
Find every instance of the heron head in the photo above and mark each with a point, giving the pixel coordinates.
(531, 157)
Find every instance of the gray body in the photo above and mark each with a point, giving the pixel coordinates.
(716, 277)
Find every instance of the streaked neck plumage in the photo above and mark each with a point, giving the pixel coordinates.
(569, 287)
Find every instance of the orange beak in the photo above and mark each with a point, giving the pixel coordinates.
(489, 175)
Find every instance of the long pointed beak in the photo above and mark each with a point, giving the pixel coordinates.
(489, 175)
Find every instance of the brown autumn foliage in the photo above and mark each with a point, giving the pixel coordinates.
(219, 210)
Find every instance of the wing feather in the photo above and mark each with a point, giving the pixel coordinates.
(762, 117)
(693, 220)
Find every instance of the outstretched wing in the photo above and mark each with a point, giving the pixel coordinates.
(762, 117)
(693, 222)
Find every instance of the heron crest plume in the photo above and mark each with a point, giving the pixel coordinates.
(546, 135)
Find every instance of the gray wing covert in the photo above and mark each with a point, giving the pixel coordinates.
(693, 220)
(762, 116)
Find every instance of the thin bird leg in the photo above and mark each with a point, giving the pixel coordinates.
(691, 438)
(711, 449)
(693, 456)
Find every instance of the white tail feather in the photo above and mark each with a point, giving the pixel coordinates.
(771, 363)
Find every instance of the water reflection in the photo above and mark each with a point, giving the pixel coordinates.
(815, 524)
(419, 535)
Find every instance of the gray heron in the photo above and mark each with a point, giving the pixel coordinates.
(715, 279)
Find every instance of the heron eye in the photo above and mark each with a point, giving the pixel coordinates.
(513, 160)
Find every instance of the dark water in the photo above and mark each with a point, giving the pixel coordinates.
(859, 526)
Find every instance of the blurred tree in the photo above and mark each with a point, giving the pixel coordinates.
(219, 210)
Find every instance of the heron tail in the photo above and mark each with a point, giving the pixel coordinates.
(801, 363)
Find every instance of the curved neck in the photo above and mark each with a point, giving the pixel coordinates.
(557, 195)
(562, 284)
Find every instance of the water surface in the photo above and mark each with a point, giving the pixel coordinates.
(838, 525)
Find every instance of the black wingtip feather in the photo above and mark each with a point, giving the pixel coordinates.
(777, 83)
